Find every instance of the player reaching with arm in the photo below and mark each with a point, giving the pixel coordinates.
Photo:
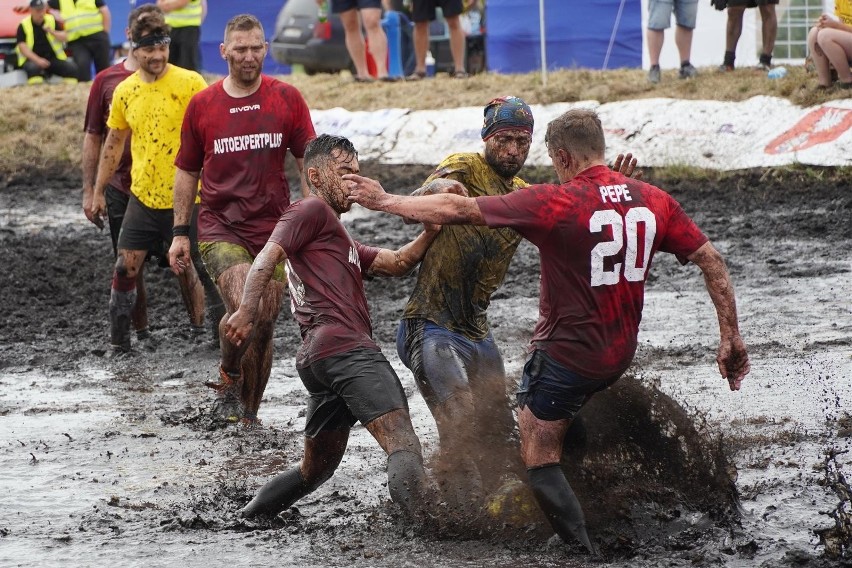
(597, 233)
(347, 377)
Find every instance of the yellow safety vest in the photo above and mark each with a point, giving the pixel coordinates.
(49, 22)
(81, 19)
(843, 10)
(189, 15)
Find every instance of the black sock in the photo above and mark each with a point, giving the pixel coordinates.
(561, 507)
(684, 63)
(729, 58)
(766, 59)
(405, 478)
(278, 494)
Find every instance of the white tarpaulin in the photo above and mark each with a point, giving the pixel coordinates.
(659, 132)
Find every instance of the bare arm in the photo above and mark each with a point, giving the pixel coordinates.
(441, 209)
(186, 188)
(401, 262)
(60, 35)
(110, 157)
(303, 181)
(31, 55)
(731, 356)
(107, 18)
(89, 166)
(239, 325)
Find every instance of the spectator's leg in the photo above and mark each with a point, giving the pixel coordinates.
(101, 51)
(83, 59)
(732, 35)
(65, 69)
(821, 63)
(35, 74)
(378, 40)
(355, 42)
(457, 41)
(655, 45)
(837, 46)
(683, 40)
(421, 46)
(769, 30)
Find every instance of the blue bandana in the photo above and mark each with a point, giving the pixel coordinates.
(506, 112)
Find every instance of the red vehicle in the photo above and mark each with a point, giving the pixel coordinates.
(9, 20)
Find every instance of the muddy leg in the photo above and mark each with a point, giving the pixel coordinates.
(322, 456)
(123, 296)
(139, 313)
(406, 477)
(541, 447)
(459, 478)
(192, 294)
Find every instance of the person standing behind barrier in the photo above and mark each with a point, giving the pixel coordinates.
(117, 193)
(150, 104)
(422, 13)
(39, 46)
(244, 192)
(185, 17)
(769, 30)
(659, 20)
(88, 23)
(369, 12)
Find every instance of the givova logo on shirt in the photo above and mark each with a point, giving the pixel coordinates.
(248, 142)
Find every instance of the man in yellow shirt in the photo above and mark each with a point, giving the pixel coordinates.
(150, 104)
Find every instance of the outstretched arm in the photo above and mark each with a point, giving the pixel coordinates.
(238, 326)
(400, 262)
(731, 356)
(441, 209)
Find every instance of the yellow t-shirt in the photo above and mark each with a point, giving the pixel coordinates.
(154, 114)
(843, 10)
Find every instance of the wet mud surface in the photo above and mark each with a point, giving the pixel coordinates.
(119, 460)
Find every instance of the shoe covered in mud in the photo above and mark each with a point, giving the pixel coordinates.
(250, 421)
(227, 406)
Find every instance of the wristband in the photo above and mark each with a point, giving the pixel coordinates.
(180, 231)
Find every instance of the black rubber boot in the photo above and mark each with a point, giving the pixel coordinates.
(278, 494)
(558, 502)
(120, 306)
(405, 479)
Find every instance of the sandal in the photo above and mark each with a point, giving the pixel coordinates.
(364, 79)
(416, 76)
(459, 75)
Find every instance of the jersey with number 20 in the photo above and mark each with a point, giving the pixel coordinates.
(597, 235)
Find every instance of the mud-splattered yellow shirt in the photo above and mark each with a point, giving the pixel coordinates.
(154, 113)
(465, 263)
(843, 10)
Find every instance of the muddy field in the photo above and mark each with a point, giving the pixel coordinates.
(117, 461)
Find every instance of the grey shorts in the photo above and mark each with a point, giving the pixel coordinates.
(358, 385)
(660, 13)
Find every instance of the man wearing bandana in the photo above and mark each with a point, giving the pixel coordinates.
(444, 336)
(150, 104)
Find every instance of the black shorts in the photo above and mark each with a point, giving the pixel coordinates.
(750, 3)
(116, 204)
(424, 10)
(359, 385)
(149, 229)
(338, 6)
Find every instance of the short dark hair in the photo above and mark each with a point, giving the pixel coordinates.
(149, 23)
(577, 131)
(243, 23)
(327, 146)
(139, 10)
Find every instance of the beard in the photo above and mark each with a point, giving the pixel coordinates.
(505, 168)
(244, 75)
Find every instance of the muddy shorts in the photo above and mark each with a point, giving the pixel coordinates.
(144, 228)
(116, 202)
(219, 256)
(660, 13)
(359, 385)
(553, 392)
(444, 362)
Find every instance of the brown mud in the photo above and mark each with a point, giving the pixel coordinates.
(657, 476)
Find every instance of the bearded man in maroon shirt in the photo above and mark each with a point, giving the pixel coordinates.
(235, 137)
(597, 233)
(345, 373)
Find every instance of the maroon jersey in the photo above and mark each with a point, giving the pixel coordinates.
(597, 235)
(239, 145)
(97, 112)
(324, 267)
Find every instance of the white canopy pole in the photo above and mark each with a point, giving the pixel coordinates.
(612, 35)
(543, 46)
